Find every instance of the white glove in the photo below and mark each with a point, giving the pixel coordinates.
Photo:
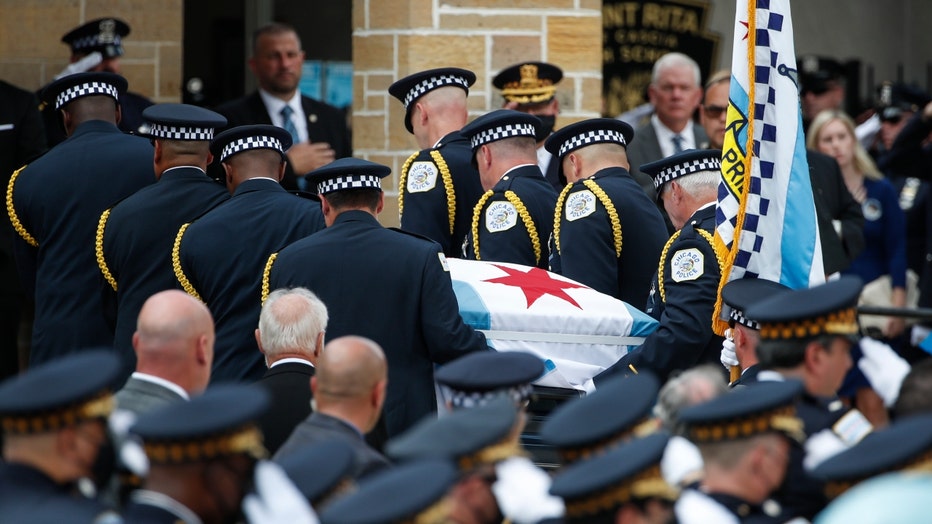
(522, 492)
(884, 369)
(729, 358)
(918, 334)
(821, 447)
(85, 64)
(276, 499)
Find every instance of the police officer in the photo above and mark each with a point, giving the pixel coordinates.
(55, 205)
(219, 257)
(606, 235)
(352, 263)
(682, 296)
(807, 335)
(135, 237)
(54, 420)
(439, 185)
(478, 378)
(739, 349)
(531, 87)
(513, 220)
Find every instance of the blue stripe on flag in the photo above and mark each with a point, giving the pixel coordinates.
(472, 307)
(642, 324)
(799, 246)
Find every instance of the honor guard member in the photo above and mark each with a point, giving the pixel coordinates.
(202, 457)
(416, 492)
(683, 293)
(321, 471)
(354, 257)
(55, 440)
(739, 349)
(478, 378)
(55, 204)
(513, 220)
(134, 237)
(496, 480)
(622, 486)
(97, 46)
(439, 185)
(807, 335)
(606, 235)
(745, 438)
(531, 87)
(219, 257)
(587, 427)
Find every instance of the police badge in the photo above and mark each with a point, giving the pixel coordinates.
(580, 205)
(687, 264)
(422, 177)
(500, 216)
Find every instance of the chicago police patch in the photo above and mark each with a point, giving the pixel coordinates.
(580, 205)
(500, 216)
(687, 264)
(422, 177)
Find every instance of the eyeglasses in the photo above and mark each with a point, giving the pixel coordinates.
(714, 111)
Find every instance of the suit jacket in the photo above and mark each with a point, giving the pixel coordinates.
(645, 148)
(392, 287)
(138, 235)
(57, 201)
(320, 428)
(141, 396)
(289, 385)
(834, 202)
(325, 123)
(227, 276)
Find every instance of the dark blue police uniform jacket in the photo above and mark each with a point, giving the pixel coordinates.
(601, 215)
(683, 306)
(220, 258)
(431, 180)
(57, 201)
(138, 235)
(503, 235)
(29, 495)
(392, 287)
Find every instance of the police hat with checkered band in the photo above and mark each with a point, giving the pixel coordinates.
(500, 125)
(477, 378)
(827, 309)
(739, 294)
(67, 89)
(412, 87)
(682, 164)
(104, 35)
(182, 122)
(587, 133)
(347, 173)
(248, 138)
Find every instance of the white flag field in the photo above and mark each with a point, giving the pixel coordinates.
(577, 330)
(766, 221)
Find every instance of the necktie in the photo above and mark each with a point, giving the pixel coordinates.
(677, 143)
(288, 125)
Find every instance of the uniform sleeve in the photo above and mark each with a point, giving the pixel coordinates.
(424, 201)
(502, 235)
(445, 333)
(590, 256)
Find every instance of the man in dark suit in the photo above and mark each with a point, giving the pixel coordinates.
(22, 138)
(135, 237)
(55, 206)
(349, 391)
(291, 336)
(174, 347)
(262, 217)
(318, 130)
(675, 92)
(356, 258)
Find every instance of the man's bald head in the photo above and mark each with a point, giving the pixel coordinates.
(349, 367)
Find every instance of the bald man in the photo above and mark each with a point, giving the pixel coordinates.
(174, 345)
(349, 390)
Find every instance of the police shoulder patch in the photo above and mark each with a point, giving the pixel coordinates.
(422, 177)
(580, 205)
(687, 264)
(500, 216)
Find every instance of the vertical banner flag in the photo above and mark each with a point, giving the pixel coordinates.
(766, 218)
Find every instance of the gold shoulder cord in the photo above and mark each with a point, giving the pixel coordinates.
(447, 186)
(11, 210)
(402, 183)
(663, 257)
(528, 223)
(265, 276)
(610, 209)
(557, 215)
(99, 250)
(176, 264)
(476, 213)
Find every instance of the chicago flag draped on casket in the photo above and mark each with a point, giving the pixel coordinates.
(576, 329)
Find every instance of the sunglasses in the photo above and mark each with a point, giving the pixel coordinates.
(714, 111)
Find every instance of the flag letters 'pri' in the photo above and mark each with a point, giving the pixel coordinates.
(766, 217)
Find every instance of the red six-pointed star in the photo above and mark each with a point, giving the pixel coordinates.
(535, 284)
